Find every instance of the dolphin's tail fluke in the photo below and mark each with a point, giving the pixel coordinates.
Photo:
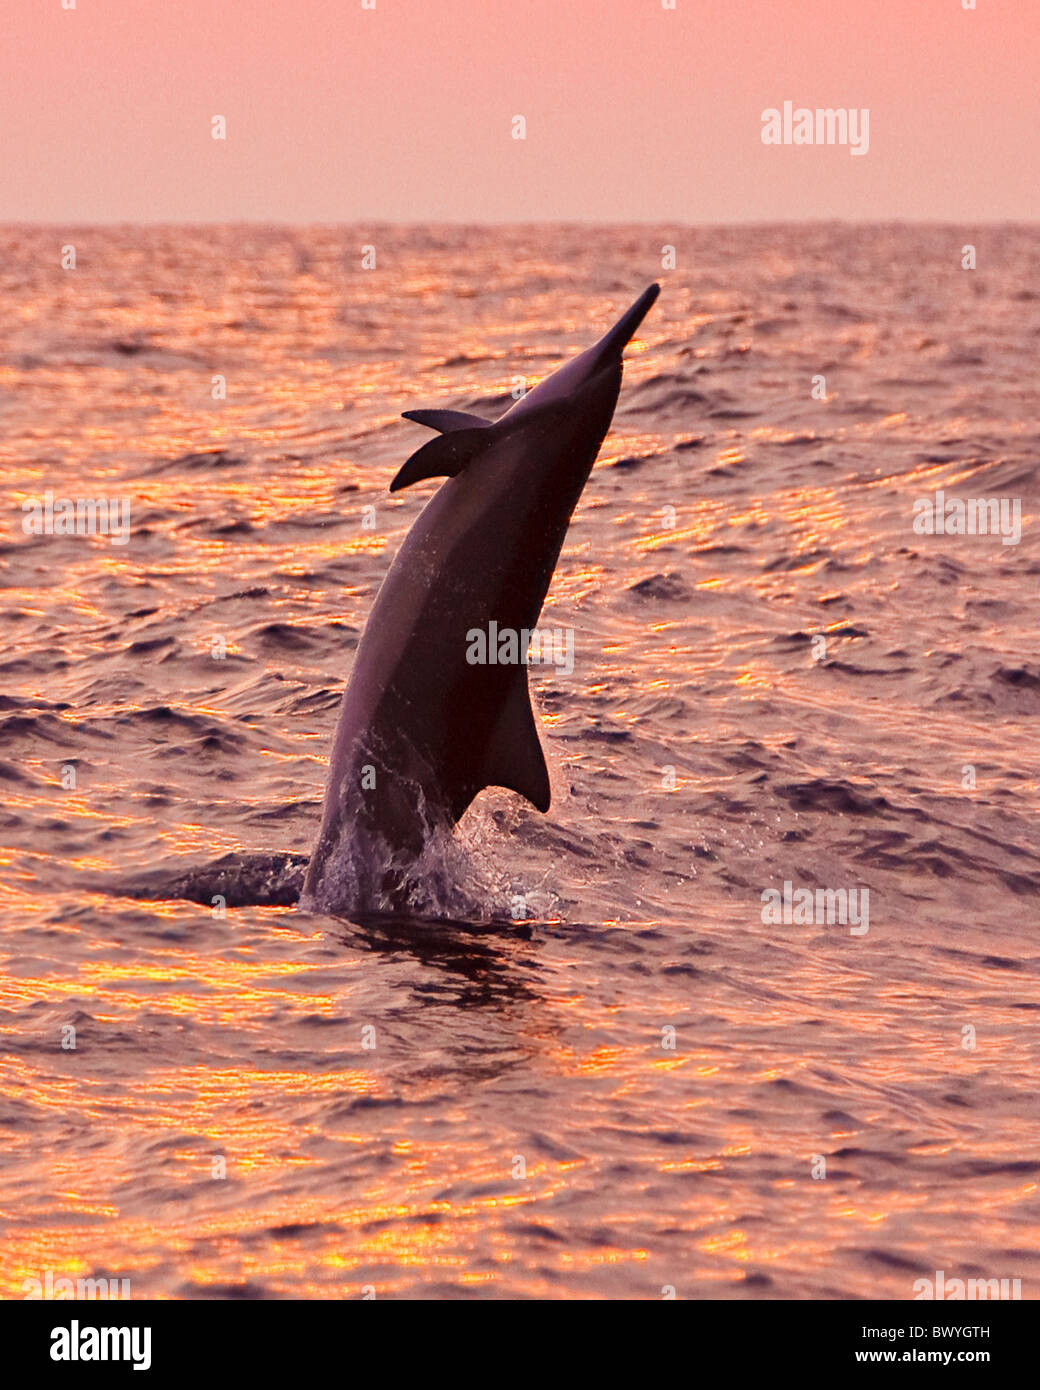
(241, 880)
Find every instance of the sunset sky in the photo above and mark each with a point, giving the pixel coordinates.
(634, 112)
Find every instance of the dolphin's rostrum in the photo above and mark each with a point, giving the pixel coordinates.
(422, 730)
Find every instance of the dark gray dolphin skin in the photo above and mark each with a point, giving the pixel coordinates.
(421, 730)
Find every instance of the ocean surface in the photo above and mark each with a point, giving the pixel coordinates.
(643, 1086)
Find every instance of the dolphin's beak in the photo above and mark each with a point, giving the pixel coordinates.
(614, 341)
(577, 373)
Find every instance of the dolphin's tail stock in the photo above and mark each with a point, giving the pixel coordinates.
(240, 880)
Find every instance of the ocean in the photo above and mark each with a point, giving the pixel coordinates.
(665, 1050)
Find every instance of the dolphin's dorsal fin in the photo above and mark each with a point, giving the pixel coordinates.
(445, 421)
(514, 757)
(445, 456)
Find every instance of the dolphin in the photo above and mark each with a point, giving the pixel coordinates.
(424, 726)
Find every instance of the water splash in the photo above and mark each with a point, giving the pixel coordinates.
(456, 874)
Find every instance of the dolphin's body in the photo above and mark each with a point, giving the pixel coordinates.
(422, 730)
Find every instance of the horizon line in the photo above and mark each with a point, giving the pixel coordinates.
(538, 222)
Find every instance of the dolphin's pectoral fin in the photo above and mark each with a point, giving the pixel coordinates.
(445, 421)
(514, 757)
(444, 456)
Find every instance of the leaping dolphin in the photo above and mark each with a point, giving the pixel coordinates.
(422, 728)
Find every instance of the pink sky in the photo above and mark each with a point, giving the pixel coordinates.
(634, 112)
